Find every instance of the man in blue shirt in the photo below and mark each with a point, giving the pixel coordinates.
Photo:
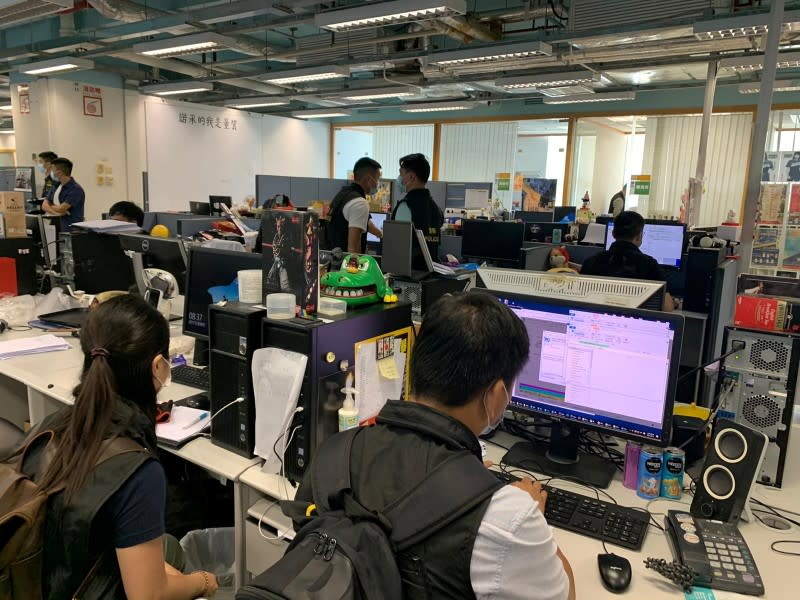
(67, 199)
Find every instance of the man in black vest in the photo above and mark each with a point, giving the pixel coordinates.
(418, 205)
(469, 351)
(349, 218)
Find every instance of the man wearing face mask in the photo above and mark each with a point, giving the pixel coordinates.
(348, 218)
(418, 206)
(469, 351)
(45, 167)
(68, 198)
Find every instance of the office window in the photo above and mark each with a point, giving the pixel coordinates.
(386, 144)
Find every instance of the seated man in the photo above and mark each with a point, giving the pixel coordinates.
(624, 259)
(469, 351)
(126, 212)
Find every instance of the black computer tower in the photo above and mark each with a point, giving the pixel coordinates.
(423, 294)
(24, 255)
(234, 334)
(701, 277)
(330, 347)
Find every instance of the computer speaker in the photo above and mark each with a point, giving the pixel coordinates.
(732, 465)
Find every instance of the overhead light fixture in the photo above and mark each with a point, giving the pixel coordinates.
(321, 113)
(6, 107)
(258, 102)
(183, 45)
(379, 14)
(490, 54)
(437, 106)
(581, 98)
(551, 80)
(177, 88)
(721, 29)
(378, 94)
(9, 131)
(291, 76)
(56, 65)
(755, 62)
(780, 86)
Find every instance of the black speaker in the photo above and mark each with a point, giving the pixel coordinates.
(732, 464)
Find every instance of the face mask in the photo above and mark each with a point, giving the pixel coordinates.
(490, 427)
(40, 168)
(54, 177)
(374, 189)
(168, 380)
(400, 185)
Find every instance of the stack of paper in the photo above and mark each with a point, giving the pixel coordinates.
(32, 345)
(108, 226)
(184, 424)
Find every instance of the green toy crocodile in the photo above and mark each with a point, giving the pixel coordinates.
(359, 281)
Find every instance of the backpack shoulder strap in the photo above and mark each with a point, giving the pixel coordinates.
(330, 478)
(115, 447)
(451, 490)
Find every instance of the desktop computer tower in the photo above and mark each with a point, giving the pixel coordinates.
(234, 334)
(95, 262)
(764, 384)
(330, 347)
(702, 278)
(422, 294)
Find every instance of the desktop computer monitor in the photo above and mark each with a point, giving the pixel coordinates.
(168, 254)
(564, 214)
(664, 241)
(45, 242)
(492, 240)
(377, 219)
(200, 208)
(216, 202)
(543, 232)
(530, 216)
(608, 369)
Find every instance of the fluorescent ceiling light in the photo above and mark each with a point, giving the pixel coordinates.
(548, 81)
(56, 65)
(786, 60)
(321, 113)
(490, 54)
(183, 45)
(718, 29)
(580, 98)
(258, 102)
(437, 106)
(6, 107)
(780, 86)
(379, 14)
(291, 76)
(177, 88)
(6, 131)
(379, 94)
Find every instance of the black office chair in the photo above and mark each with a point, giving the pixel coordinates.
(10, 437)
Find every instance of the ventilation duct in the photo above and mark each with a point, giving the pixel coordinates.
(341, 52)
(594, 15)
(21, 12)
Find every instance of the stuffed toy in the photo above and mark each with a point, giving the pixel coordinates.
(559, 261)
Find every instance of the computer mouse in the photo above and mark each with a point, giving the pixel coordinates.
(615, 571)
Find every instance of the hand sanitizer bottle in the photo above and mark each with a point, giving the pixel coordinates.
(348, 414)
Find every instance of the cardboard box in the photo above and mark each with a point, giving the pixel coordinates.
(12, 207)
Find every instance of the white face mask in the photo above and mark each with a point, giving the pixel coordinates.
(168, 379)
(490, 427)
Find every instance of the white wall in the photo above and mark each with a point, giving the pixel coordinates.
(351, 144)
(531, 156)
(609, 167)
(584, 173)
(295, 147)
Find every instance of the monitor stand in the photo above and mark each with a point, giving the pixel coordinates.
(561, 458)
(200, 357)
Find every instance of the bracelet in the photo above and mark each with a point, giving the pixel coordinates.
(206, 583)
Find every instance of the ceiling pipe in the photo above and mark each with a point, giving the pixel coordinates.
(472, 28)
(439, 27)
(168, 64)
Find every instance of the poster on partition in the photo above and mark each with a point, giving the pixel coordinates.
(789, 164)
(791, 250)
(793, 218)
(770, 170)
(765, 248)
(771, 203)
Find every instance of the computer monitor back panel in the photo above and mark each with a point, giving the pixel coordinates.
(159, 253)
(402, 253)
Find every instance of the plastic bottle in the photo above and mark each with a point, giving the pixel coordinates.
(348, 414)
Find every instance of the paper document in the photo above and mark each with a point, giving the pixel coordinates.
(107, 225)
(476, 199)
(32, 345)
(378, 380)
(184, 424)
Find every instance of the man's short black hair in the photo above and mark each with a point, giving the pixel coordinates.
(48, 156)
(365, 165)
(628, 225)
(128, 210)
(64, 164)
(467, 342)
(418, 165)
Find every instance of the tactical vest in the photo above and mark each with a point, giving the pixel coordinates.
(338, 229)
(426, 216)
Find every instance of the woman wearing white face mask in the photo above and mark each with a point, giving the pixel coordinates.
(125, 344)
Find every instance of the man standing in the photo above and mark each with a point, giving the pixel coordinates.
(617, 204)
(46, 159)
(68, 198)
(469, 351)
(349, 218)
(418, 205)
(624, 259)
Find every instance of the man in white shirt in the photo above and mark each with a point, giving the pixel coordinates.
(348, 217)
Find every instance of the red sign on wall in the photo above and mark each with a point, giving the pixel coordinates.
(92, 101)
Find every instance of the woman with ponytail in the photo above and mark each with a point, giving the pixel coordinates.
(107, 516)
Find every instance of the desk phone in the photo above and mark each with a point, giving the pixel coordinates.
(716, 552)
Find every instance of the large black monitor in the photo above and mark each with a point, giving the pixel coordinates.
(492, 240)
(533, 216)
(543, 232)
(211, 277)
(98, 262)
(665, 241)
(168, 254)
(608, 369)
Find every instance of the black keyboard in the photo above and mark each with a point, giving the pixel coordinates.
(192, 376)
(591, 517)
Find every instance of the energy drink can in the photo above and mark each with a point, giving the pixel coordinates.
(672, 473)
(630, 477)
(651, 460)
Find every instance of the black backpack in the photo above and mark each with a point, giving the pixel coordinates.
(346, 552)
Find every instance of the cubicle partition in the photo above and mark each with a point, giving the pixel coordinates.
(302, 191)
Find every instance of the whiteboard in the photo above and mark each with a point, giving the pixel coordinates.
(190, 160)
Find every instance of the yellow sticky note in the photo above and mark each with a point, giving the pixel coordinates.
(388, 368)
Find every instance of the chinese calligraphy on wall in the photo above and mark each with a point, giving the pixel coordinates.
(207, 122)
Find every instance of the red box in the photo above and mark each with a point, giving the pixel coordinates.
(763, 312)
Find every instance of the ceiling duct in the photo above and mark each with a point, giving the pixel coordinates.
(21, 12)
(341, 52)
(595, 15)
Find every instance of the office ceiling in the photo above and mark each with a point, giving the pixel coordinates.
(241, 51)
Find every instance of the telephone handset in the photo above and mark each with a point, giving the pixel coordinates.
(716, 552)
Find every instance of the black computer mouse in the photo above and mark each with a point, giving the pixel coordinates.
(615, 571)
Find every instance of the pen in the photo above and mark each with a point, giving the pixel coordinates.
(196, 421)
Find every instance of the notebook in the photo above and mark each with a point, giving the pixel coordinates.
(184, 424)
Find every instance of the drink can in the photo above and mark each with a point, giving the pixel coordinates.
(630, 477)
(651, 460)
(672, 473)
